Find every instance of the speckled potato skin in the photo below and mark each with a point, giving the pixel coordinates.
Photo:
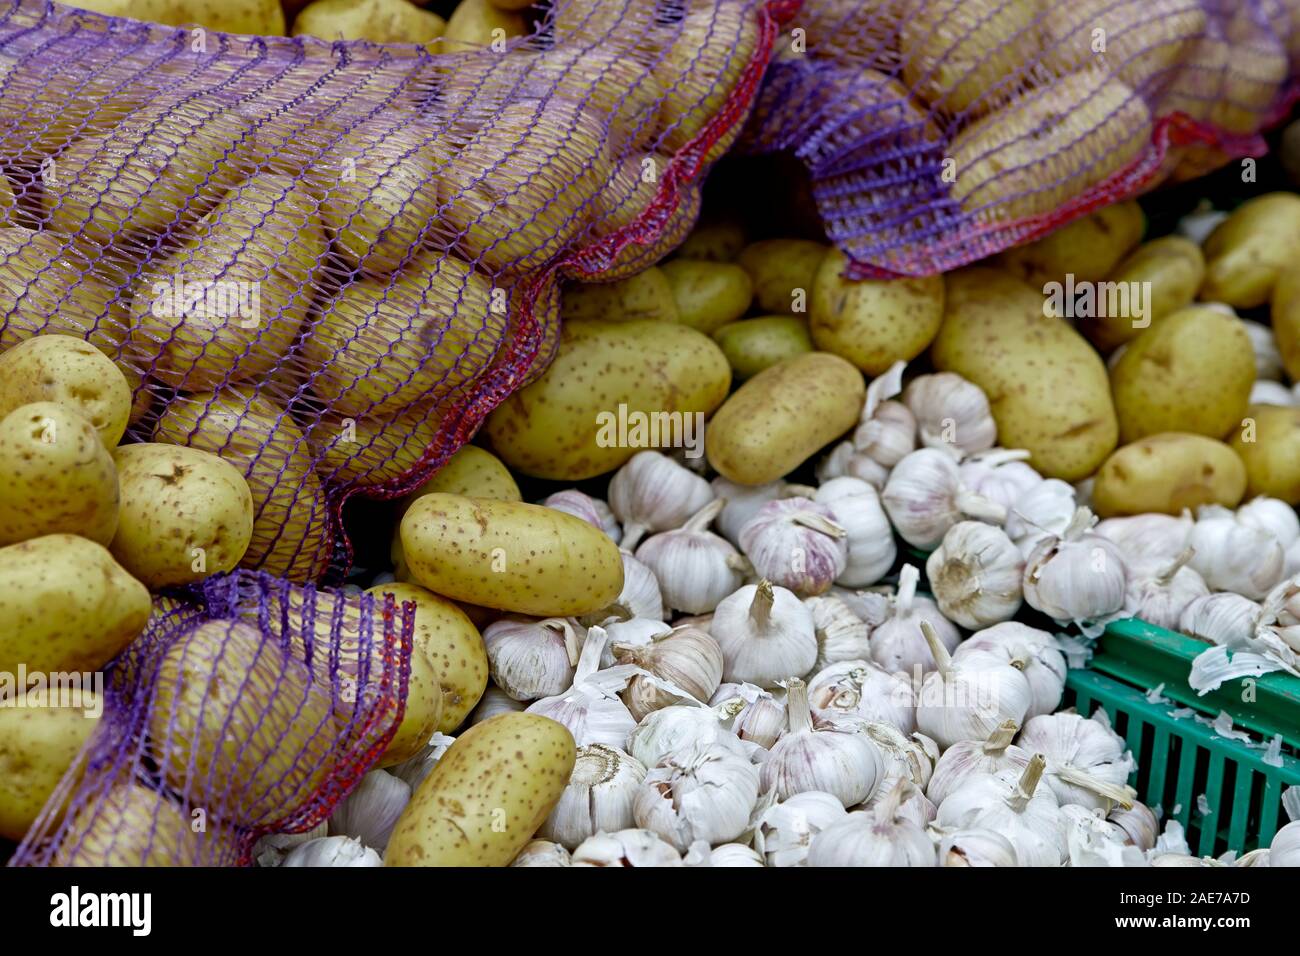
(1172, 265)
(1166, 473)
(1047, 388)
(719, 241)
(66, 605)
(550, 428)
(1285, 310)
(779, 267)
(37, 747)
(1191, 373)
(256, 17)
(1273, 457)
(873, 322)
(471, 471)
(69, 372)
(1249, 250)
(487, 796)
(176, 499)
(646, 296)
(708, 294)
(56, 476)
(453, 647)
(510, 555)
(131, 825)
(383, 21)
(752, 345)
(782, 416)
(1088, 248)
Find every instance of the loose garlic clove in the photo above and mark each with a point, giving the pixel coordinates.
(695, 567)
(531, 659)
(844, 460)
(951, 413)
(976, 574)
(975, 847)
(686, 657)
(654, 493)
(855, 506)
(598, 797)
(897, 643)
(700, 793)
(924, 497)
(1274, 516)
(591, 510)
(1000, 475)
(766, 635)
(795, 543)
(841, 634)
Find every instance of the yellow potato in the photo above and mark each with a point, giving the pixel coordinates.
(1285, 309)
(453, 646)
(259, 17)
(1046, 387)
(708, 294)
(510, 555)
(646, 296)
(1251, 249)
(1268, 441)
(627, 194)
(756, 344)
(41, 742)
(369, 450)
(487, 796)
(782, 416)
(56, 476)
(1147, 41)
(1168, 270)
(66, 605)
(474, 472)
(565, 425)
(1233, 86)
(873, 322)
(68, 372)
(595, 23)
(382, 21)
(783, 272)
(477, 23)
(132, 825)
(1166, 473)
(1190, 373)
(720, 240)
(1088, 248)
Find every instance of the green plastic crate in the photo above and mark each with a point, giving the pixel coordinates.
(1178, 758)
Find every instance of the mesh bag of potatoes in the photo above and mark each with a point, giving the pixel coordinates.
(938, 132)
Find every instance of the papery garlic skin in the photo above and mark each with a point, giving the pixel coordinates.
(1153, 537)
(1235, 556)
(1274, 516)
(951, 413)
(968, 759)
(795, 543)
(542, 853)
(976, 575)
(637, 632)
(687, 657)
(700, 793)
(841, 634)
(911, 757)
(1079, 577)
(914, 806)
(897, 643)
(664, 732)
(1139, 824)
(493, 702)
(1160, 593)
(1224, 618)
(1015, 804)
(844, 460)
(591, 510)
(924, 497)
(863, 691)
(626, 848)
(332, 851)
(759, 716)
(855, 506)
(786, 829)
(1285, 848)
(967, 701)
(271, 849)
(888, 435)
(369, 813)
(531, 659)
(862, 840)
(975, 847)
(695, 567)
(591, 709)
(741, 503)
(766, 635)
(1088, 764)
(1001, 475)
(1029, 650)
(640, 597)
(598, 797)
(729, 854)
(654, 493)
(418, 768)
(1044, 510)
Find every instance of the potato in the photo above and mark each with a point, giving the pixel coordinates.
(259, 17)
(371, 450)
(68, 372)
(626, 196)
(719, 240)
(781, 417)
(1190, 373)
(510, 555)
(474, 472)
(708, 294)
(1285, 309)
(1268, 441)
(487, 796)
(66, 605)
(873, 322)
(783, 272)
(1166, 473)
(381, 21)
(1048, 146)
(290, 516)
(41, 743)
(452, 645)
(1247, 252)
(477, 23)
(1169, 268)
(1233, 88)
(56, 476)
(756, 344)
(564, 425)
(646, 296)
(1047, 388)
(1146, 40)
(1088, 248)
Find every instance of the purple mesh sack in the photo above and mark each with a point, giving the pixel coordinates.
(938, 132)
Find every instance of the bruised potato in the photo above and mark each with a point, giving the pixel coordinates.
(1167, 473)
(68, 372)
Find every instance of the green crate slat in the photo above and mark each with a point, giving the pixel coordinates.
(1270, 806)
(1159, 761)
(1214, 796)
(1240, 807)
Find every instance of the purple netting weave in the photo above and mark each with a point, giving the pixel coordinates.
(938, 132)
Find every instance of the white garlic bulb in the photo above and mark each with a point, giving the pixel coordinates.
(897, 643)
(766, 635)
(416, 769)
(1032, 652)
(976, 574)
(654, 493)
(924, 497)
(1045, 509)
(1232, 555)
(855, 506)
(1087, 763)
(700, 793)
(879, 837)
(369, 813)
(1013, 803)
(983, 848)
(672, 729)
(1225, 618)
(637, 632)
(1149, 537)
(729, 854)
(591, 510)
(844, 460)
(1285, 848)
(1000, 474)
(841, 634)
(332, 851)
(967, 701)
(742, 502)
(1268, 358)
(271, 849)
(1264, 392)
(1079, 577)
(951, 413)
(630, 847)
(757, 715)
(843, 763)
(861, 690)
(1160, 593)
(598, 797)
(914, 806)
(695, 567)
(494, 701)
(1092, 840)
(542, 853)
(1274, 516)
(591, 708)
(786, 829)
(530, 659)
(888, 435)
(1140, 826)
(640, 597)
(686, 657)
(910, 757)
(795, 543)
(972, 758)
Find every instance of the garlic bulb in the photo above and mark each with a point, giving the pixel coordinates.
(626, 848)
(1234, 556)
(1140, 826)
(845, 460)
(841, 634)
(729, 854)
(1285, 848)
(914, 806)
(369, 813)
(673, 729)
(542, 853)
(1011, 802)
(695, 567)
(1000, 474)
(861, 690)
(1087, 763)
(699, 793)
(975, 574)
(855, 507)
(924, 497)
(685, 656)
(1227, 619)
(332, 851)
(766, 635)
(640, 597)
(741, 502)
(951, 413)
(897, 643)
(531, 659)
(795, 543)
(910, 757)
(598, 797)
(756, 715)
(591, 708)
(1092, 840)
(591, 510)
(983, 848)
(967, 701)
(786, 829)
(637, 632)
(654, 493)
(494, 701)
(1032, 652)
(879, 837)
(1268, 359)
(888, 435)
(271, 849)
(1274, 516)
(1151, 537)
(1159, 593)
(971, 758)
(415, 770)
(842, 763)
(1045, 509)
(1079, 577)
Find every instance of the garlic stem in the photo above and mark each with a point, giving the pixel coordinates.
(701, 520)
(797, 708)
(632, 535)
(589, 659)
(818, 523)
(1028, 783)
(1080, 521)
(887, 809)
(942, 659)
(760, 609)
(1179, 563)
(908, 578)
(1119, 793)
(976, 506)
(1001, 738)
